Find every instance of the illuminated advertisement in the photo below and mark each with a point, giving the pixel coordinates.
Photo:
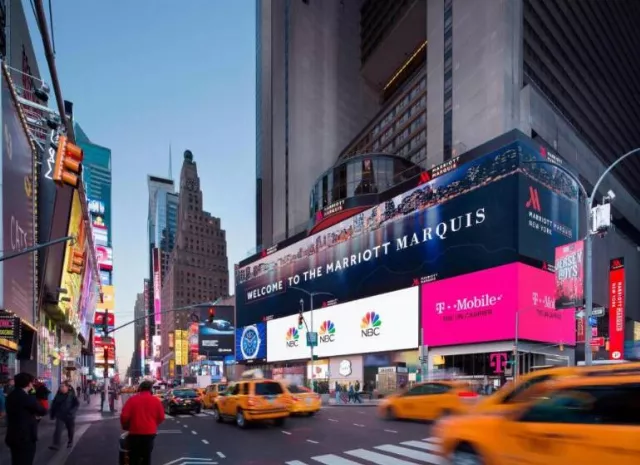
(104, 256)
(147, 334)
(376, 324)
(98, 319)
(216, 337)
(476, 217)
(100, 234)
(177, 352)
(482, 307)
(569, 266)
(96, 207)
(171, 340)
(105, 278)
(192, 336)
(108, 299)
(172, 368)
(99, 347)
(72, 282)
(157, 284)
(142, 352)
(616, 308)
(17, 210)
(182, 348)
(88, 300)
(251, 343)
(157, 342)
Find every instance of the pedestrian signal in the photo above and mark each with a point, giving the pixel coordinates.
(300, 321)
(212, 314)
(68, 163)
(76, 261)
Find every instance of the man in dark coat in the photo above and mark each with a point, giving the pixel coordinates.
(63, 410)
(22, 424)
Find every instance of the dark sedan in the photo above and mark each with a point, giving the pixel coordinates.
(182, 401)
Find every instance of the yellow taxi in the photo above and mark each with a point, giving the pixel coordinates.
(253, 399)
(213, 391)
(303, 401)
(578, 420)
(428, 401)
(513, 394)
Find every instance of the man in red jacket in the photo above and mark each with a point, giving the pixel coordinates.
(141, 416)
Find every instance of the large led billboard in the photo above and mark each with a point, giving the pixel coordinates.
(466, 220)
(157, 285)
(503, 303)
(376, 324)
(251, 343)
(216, 338)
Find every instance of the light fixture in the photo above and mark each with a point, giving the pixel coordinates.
(42, 92)
(611, 195)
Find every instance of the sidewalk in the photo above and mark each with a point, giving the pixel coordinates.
(365, 403)
(87, 414)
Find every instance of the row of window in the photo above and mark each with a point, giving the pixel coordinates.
(448, 80)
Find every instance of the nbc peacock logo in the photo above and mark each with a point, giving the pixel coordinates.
(327, 332)
(370, 325)
(292, 337)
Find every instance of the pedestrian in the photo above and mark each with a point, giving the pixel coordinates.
(22, 424)
(87, 393)
(63, 410)
(42, 393)
(103, 395)
(141, 416)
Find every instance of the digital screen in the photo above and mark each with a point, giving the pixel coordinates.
(251, 342)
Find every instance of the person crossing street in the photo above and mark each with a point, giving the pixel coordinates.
(63, 409)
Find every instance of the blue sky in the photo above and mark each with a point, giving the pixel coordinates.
(145, 74)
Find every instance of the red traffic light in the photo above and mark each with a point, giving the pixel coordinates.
(212, 314)
(68, 163)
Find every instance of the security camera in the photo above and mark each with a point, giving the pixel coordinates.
(42, 92)
(611, 194)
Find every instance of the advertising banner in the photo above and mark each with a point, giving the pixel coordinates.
(184, 344)
(105, 278)
(100, 234)
(10, 331)
(616, 308)
(99, 348)
(157, 285)
(251, 343)
(376, 324)
(96, 207)
(178, 347)
(72, 282)
(17, 210)
(569, 266)
(98, 319)
(171, 340)
(482, 307)
(217, 338)
(156, 342)
(104, 255)
(142, 356)
(108, 299)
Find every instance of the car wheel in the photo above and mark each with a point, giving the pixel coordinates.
(466, 455)
(216, 415)
(241, 421)
(172, 411)
(312, 413)
(198, 410)
(279, 421)
(390, 414)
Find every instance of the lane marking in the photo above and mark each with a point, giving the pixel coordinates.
(286, 432)
(431, 447)
(432, 439)
(358, 425)
(312, 441)
(376, 458)
(331, 419)
(205, 441)
(186, 426)
(412, 454)
(391, 431)
(333, 460)
(295, 462)
(194, 432)
(221, 455)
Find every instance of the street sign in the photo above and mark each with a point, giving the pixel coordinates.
(312, 339)
(598, 311)
(580, 314)
(597, 342)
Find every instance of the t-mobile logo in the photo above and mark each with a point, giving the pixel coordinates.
(440, 307)
(534, 200)
(498, 361)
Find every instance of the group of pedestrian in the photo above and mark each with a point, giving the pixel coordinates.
(25, 404)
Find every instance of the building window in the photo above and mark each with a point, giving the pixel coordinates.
(448, 80)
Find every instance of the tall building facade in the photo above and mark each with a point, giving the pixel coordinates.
(198, 268)
(556, 71)
(137, 364)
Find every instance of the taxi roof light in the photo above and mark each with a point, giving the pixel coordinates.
(253, 374)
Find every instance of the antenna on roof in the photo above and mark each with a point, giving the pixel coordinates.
(170, 164)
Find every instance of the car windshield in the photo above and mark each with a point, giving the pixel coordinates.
(293, 389)
(268, 389)
(186, 393)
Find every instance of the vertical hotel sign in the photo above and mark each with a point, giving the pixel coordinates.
(616, 308)
(157, 284)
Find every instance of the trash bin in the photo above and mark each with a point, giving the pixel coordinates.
(123, 456)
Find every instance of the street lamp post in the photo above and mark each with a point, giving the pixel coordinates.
(588, 260)
(310, 327)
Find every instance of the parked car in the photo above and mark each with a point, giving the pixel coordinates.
(182, 401)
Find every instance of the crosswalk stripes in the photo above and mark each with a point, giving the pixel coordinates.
(191, 415)
(424, 451)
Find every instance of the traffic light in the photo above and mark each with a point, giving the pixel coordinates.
(68, 163)
(300, 321)
(76, 261)
(212, 314)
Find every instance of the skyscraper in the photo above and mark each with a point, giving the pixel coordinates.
(198, 268)
(137, 367)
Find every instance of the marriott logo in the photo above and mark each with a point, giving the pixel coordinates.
(534, 200)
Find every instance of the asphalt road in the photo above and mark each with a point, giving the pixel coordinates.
(335, 436)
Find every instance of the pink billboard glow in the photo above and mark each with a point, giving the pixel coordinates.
(157, 305)
(482, 307)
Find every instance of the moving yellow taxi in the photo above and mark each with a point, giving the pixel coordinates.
(580, 420)
(303, 400)
(213, 391)
(253, 400)
(428, 401)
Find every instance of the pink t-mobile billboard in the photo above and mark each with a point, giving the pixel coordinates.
(482, 307)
